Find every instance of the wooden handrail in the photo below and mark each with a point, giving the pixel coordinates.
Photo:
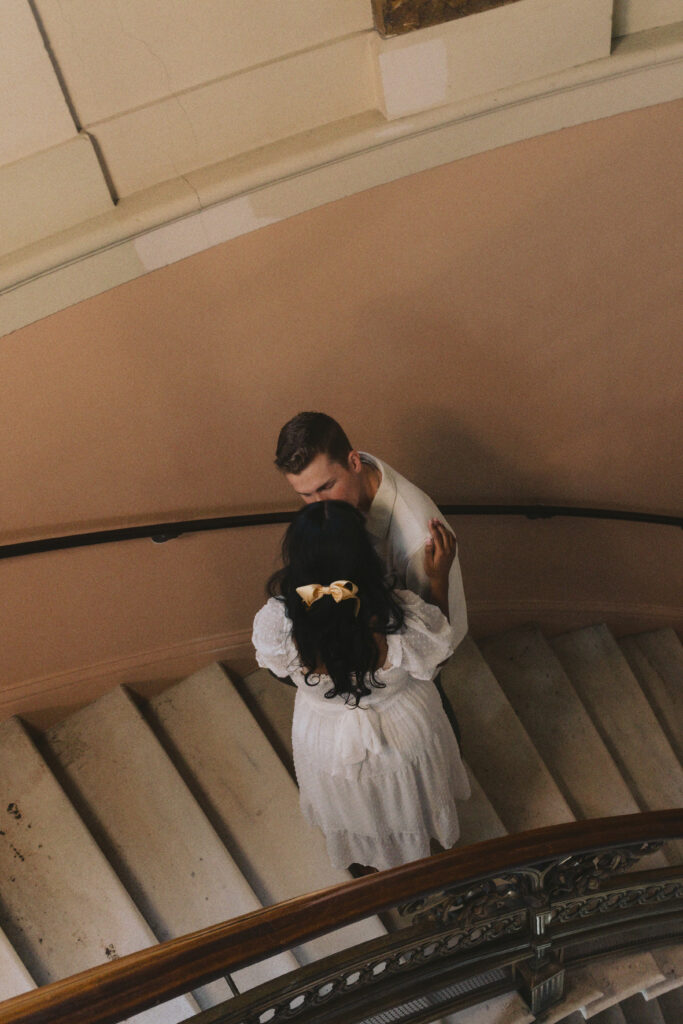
(114, 991)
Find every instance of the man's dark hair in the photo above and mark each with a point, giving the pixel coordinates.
(309, 434)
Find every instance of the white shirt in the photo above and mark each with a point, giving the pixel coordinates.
(398, 524)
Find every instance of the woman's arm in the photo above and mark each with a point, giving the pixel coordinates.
(440, 551)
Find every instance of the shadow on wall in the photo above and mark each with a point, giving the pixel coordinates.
(406, 420)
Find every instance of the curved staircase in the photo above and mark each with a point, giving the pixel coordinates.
(135, 821)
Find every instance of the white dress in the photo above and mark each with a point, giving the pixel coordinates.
(382, 778)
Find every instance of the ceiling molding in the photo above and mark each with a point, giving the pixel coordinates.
(201, 208)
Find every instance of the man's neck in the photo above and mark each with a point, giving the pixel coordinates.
(371, 478)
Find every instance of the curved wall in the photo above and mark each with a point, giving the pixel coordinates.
(501, 329)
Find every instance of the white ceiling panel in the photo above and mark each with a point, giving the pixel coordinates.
(117, 55)
(50, 191)
(237, 114)
(489, 52)
(639, 15)
(33, 112)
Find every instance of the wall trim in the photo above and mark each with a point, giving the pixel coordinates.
(46, 699)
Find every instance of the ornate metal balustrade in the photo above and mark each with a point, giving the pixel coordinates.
(472, 941)
(512, 913)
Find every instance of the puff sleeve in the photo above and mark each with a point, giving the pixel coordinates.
(272, 639)
(427, 639)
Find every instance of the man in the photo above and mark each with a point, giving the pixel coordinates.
(318, 461)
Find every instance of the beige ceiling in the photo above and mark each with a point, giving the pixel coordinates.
(121, 116)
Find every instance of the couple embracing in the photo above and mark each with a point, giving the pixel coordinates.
(367, 607)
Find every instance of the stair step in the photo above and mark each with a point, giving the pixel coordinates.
(508, 1008)
(656, 660)
(249, 797)
(612, 1015)
(669, 959)
(638, 1010)
(498, 748)
(622, 715)
(272, 705)
(64, 908)
(14, 978)
(477, 817)
(671, 1005)
(159, 841)
(559, 725)
(620, 977)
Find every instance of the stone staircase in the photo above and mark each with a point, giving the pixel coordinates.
(135, 821)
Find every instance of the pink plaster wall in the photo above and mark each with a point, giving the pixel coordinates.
(502, 329)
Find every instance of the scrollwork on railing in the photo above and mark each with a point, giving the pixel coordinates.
(518, 906)
(587, 872)
(606, 903)
(465, 906)
(532, 888)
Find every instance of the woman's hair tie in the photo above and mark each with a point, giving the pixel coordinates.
(340, 590)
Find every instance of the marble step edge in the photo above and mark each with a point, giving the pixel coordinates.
(114, 769)
(548, 705)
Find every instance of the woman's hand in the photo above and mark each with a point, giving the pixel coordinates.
(440, 550)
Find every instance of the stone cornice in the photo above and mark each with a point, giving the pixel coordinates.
(182, 217)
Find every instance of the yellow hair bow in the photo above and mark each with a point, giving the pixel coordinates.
(340, 590)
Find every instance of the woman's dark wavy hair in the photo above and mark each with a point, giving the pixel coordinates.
(327, 541)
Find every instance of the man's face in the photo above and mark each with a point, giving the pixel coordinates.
(324, 480)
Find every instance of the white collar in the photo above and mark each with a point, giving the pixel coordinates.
(378, 519)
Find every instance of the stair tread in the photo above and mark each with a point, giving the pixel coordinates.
(160, 842)
(619, 977)
(551, 711)
(498, 748)
(669, 959)
(14, 978)
(656, 660)
(272, 705)
(638, 1010)
(477, 816)
(508, 1008)
(665, 650)
(65, 908)
(671, 1005)
(250, 798)
(612, 1015)
(623, 716)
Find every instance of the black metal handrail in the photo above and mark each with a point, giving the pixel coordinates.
(162, 532)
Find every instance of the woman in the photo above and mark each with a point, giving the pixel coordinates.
(376, 760)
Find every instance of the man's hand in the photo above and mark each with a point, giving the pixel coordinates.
(440, 551)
